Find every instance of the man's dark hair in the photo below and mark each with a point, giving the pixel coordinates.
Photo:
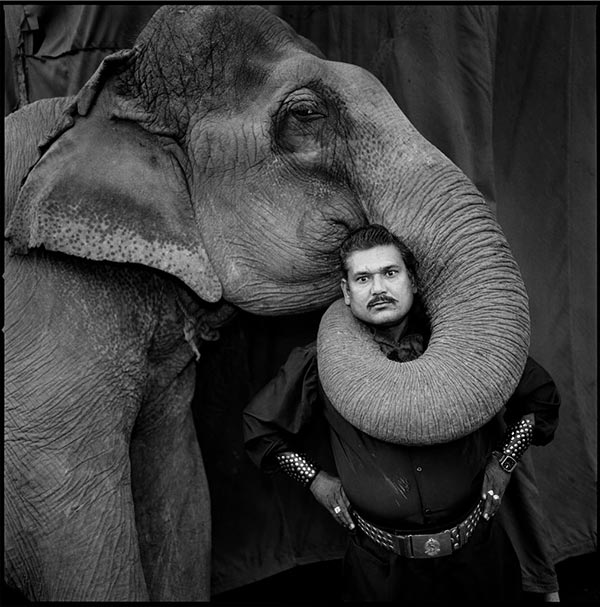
(375, 235)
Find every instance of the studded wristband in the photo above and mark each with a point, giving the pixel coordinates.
(297, 466)
(516, 441)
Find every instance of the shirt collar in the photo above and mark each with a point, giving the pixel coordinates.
(409, 346)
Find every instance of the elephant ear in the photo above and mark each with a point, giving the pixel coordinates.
(82, 103)
(108, 190)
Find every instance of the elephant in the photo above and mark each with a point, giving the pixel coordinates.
(216, 165)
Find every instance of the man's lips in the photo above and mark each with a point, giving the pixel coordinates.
(377, 302)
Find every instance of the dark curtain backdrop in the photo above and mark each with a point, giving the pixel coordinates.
(508, 93)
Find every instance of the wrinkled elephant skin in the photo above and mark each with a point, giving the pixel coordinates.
(218, 163)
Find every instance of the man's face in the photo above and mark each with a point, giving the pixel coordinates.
(378, 289)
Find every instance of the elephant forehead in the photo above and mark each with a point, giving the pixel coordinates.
(225, 28)
(214, 49)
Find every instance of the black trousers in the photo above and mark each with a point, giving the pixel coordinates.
(485, 571)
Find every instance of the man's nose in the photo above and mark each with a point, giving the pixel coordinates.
(378, 284)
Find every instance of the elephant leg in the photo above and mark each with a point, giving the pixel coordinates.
(70, 529)
(171, 495)
(72, 395)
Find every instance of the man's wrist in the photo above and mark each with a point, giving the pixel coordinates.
(298, 466)
(516, 441)
(507, 462)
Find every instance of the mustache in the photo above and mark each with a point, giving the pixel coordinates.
(380, 299)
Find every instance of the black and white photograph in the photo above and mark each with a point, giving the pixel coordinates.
(300, 303)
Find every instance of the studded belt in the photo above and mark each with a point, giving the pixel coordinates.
(423, 545)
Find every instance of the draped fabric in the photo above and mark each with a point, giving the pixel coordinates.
(54, 48)
(545, 146)
(508, 93)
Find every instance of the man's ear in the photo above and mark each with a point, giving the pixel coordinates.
(413, 283)
(109, 190)
(345, 291)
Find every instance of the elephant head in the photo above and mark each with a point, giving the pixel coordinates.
(225, 150)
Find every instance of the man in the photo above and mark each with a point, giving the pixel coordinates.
(421, 519)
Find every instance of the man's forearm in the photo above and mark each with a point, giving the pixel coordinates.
(516, 441)
(298, 467)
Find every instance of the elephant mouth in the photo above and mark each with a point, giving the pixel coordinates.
(290, 280)
(284, 297)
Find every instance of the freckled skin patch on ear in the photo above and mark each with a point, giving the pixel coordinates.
(91, 242)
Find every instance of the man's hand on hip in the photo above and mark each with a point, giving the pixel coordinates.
(328, 491)
(495, 482)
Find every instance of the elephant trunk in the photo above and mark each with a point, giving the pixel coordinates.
(473, 294)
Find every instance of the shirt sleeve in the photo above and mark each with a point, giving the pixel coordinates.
(282, 408)
(536, 393)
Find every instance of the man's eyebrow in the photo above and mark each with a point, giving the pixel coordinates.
(393, 266)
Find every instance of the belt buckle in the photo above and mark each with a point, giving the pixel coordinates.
(431, 546)
(401, 545)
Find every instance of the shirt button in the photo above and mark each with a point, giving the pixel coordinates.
(427, 511)
(419, 469)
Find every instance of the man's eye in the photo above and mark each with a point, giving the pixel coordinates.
(362, 279)
(391, 272)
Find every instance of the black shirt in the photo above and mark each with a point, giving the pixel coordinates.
(396, 486)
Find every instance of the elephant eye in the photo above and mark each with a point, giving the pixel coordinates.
(307, 111)
(305, 105)
(302, 124)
